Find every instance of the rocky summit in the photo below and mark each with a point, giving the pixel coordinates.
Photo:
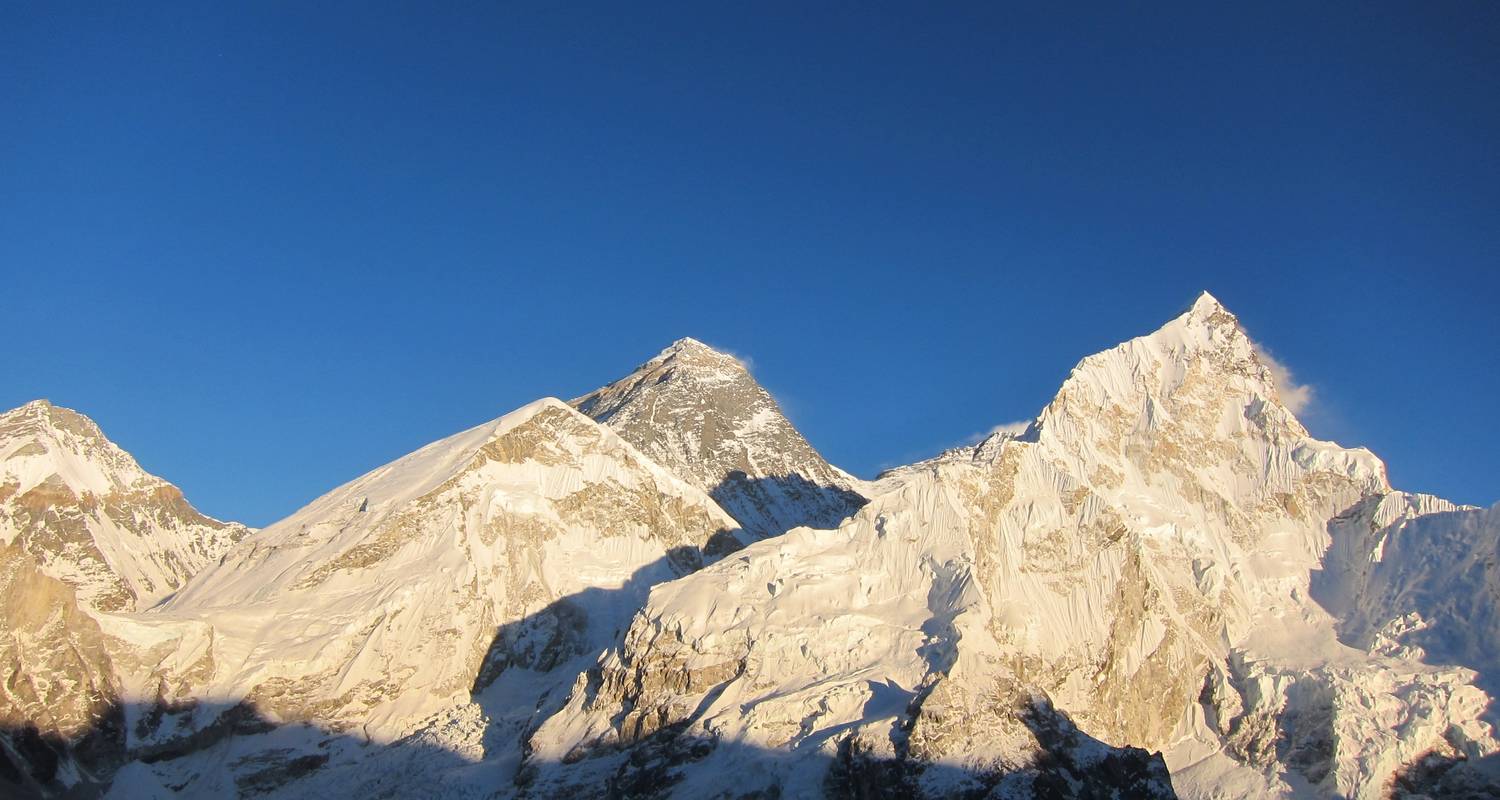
(1162, 586)
(699, 413)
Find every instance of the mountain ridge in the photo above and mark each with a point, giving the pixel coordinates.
(92, 517)
(1163, 586)
(1124, 557)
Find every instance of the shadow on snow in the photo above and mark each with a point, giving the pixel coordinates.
(528, 672)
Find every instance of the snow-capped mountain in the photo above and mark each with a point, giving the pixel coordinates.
(83, 531)
(699, 413)
(1163, 586)
(92, 518)
(1141, 558)
(459, 581)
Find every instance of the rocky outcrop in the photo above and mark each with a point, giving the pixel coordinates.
(699, 413)
(61, 725)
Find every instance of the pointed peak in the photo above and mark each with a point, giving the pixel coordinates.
(1208, 310)
(688, 343)
(692, 351)
(1207, 303)
(1207, 315)
(686, 361)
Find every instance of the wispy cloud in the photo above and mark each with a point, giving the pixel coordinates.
(1297, 397)
(1014, 428)
(744, 358)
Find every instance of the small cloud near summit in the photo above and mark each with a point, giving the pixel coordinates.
(1013, 428)
(745, 361)
(1297, 397)
(688, 344)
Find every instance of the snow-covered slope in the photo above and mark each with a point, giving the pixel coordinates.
(1141, 557)
(1162, 571)
(83, 508)
(699, 413)
(84, 531)
(1416, 577)
(459, 581)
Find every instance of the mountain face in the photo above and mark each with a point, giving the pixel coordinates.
(92, 518)
(700, 414)
(1163, 586)
(83, 531)
(457, 583)
(1141, 557)
(1414, 577)
(59, 722)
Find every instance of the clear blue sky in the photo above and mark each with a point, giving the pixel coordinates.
(270, 249)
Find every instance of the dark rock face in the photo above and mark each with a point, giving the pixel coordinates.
(1067, 765)
(60, 722)
(1071, 766)
(1449, 778)
(699, 413)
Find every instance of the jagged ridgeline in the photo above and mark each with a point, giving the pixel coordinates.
(1163, 587)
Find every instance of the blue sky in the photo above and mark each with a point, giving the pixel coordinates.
(270, 249)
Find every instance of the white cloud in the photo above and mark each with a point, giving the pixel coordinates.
(1295, 396)
(1013, 428)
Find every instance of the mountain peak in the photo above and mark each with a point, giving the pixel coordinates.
(700, 413)
(692, 352)
(53, 418)
(688, 343)
(1206, 325)
(1207, 303)
(40, 440)
(1208, 314)
(1198, 372)
(92, 517)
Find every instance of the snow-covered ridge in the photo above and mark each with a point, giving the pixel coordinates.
(466, 575)
(368, 500)
(89, 514)
(672, 594)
